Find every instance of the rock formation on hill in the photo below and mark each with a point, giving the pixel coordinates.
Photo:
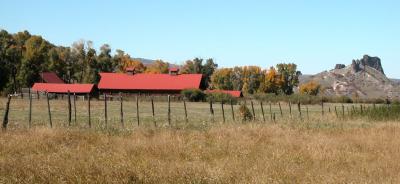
(373, 62)
(364, 78)
(340, 66)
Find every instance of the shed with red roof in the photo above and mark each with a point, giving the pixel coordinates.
(233, 93)
(172, 83)
(63, 88)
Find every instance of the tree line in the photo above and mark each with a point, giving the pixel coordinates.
(253, 79)
(24, 56)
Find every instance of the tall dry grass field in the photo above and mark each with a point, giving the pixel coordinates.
(321, 149)
(252, 153)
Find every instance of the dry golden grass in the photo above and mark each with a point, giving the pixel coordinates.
(315, 149)
(249, 153)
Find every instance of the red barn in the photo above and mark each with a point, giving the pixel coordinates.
(172, 83)
(50, 77)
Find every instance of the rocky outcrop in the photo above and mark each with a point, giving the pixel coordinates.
(355, 66)
(364, 77)
(340, 66)
(373, 62)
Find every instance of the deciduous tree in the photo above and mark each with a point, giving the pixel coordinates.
(289, 77)
(33, 61)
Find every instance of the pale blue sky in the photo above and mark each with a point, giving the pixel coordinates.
(315, 34)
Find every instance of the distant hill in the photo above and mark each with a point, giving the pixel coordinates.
(364, 78)
(150, 61)
(145, 61)
(397, 81)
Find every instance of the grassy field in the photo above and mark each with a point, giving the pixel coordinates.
(198, 113)
(317, 149)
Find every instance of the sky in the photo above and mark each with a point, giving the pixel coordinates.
(314, 34)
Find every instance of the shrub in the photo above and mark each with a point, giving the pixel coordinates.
(221, 97)
(193, 95)
(245, 113)
(343, 99)
(310, 88)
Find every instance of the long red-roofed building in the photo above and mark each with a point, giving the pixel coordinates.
(172, 83)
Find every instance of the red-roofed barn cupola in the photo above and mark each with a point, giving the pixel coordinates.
(130, 70)
(174, 71)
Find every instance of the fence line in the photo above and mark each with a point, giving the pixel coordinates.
(338, 112)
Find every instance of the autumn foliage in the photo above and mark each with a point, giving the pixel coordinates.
(253, 79)
(310, 88)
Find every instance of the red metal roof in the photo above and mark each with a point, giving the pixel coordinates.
(232, 93)
(63, 88)
(142, 81)
(51, 77)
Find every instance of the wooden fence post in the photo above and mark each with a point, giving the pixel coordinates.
(30, 109)
(152, 111)
(299, 108)
(270, 110)
(121, 110)
(308, 117)
(169, 110)
(184, 107)
(233, 112)
(322, 107)
(274, 117)
(280, 109)
(137, 111)
(5, 118)
(290, 109)
(211, 111)
(252, 109)
(69, 108)
(75, 108)
(343, 111)
(337, 115)
(48, 109)
(90, 122)
(223, 111)
(105, 109)
(262, 111)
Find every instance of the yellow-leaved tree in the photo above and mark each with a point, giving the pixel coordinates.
(271, 81)
(310, 88)
(124, 61)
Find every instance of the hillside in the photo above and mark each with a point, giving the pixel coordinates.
(364, 78)
(147, 62)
